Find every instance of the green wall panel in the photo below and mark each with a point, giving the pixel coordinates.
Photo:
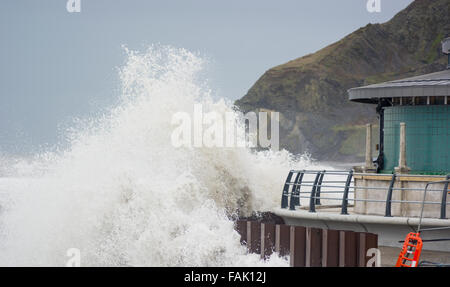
(427, 138)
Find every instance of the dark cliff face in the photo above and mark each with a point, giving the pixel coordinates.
(311, 92)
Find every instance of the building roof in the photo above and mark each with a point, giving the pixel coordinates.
(434, 84)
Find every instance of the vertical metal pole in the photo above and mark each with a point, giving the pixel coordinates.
(345, 196)
(380, 158)
(312, 201)
(319, 186)
(285, 194)
(444, 199)
(448, 61)
(295, 194)
(389, 197)
(423, 207)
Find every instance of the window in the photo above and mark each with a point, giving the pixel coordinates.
(437, 100)
(420, 101)
(407, 101)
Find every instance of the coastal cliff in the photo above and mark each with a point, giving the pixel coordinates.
(311, 92)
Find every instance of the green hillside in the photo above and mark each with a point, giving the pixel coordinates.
(311, 92)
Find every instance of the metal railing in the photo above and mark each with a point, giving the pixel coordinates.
(342, 183)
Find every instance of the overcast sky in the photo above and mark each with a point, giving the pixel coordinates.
(56, 65)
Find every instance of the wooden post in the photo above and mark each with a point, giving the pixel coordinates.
(330, 248)
(241, 228)
(313, 247)
(347, 249)
(267, 239)
(365, 242)
(298, 245)
(282, 239)
(254, 237)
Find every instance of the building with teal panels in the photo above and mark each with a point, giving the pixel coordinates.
(423, 104)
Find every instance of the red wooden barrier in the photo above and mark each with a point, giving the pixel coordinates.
(307, 246)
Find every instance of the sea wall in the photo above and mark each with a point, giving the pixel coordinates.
(412, 190)
(306, 246)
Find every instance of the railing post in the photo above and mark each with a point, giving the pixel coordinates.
(345, 196)
(285, 194)
(444, 199)
(389, 197)
(295, 194)
(312, 201)
(319, 187)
